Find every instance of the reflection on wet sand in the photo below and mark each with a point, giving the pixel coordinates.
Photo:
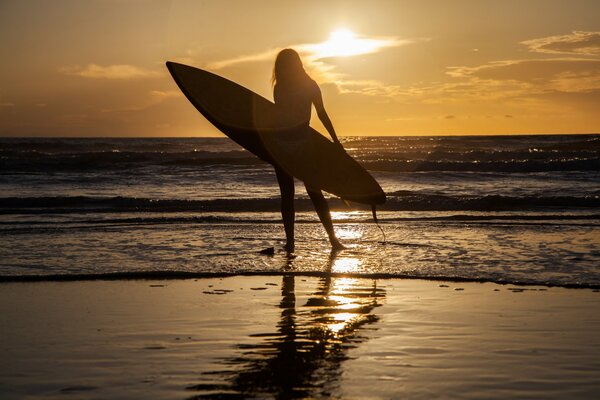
(303, 358)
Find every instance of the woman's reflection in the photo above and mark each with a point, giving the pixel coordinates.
(303, 358)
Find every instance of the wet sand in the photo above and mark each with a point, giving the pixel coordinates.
(297, 337)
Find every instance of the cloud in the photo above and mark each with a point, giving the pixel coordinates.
(344, 43)
(574, 43)
(118, 71)
(561, 74)
(523, 79)
(532, 78)
(366, 87)
(505, 79)
(529, 70)
(153, 98)
(161, 95)
(527, 82)
(6, 104)
(316, 56)
(341, 43)
(264, 56)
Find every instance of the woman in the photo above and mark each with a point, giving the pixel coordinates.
(295, 93)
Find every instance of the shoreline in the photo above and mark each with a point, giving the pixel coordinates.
(186, 275)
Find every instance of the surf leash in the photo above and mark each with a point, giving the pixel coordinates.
(374, 211)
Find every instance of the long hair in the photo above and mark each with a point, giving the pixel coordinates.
(288, 68)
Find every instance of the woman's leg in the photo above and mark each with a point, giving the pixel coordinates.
(322, 209)
(288, 213)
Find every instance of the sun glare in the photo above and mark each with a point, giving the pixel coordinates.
(345, 43)
(341, 42)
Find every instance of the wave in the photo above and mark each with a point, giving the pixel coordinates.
(40, 225)
(510, 165)
(397, 201)
(174, 274)
(131, 161)
(10, 162)
(409, 201)
(400, 154)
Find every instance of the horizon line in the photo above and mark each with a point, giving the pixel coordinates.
(223, 136)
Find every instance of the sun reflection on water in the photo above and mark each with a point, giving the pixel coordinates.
(316, 328)
(348, 215)
(351, 232)
(347, 308)
(346, 265)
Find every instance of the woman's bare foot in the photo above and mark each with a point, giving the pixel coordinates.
(289, 247)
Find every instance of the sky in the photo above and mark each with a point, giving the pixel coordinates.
(97, 68)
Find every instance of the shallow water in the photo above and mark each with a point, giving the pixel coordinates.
(554, 252)
(504, 209)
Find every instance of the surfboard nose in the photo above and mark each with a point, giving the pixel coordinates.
(170, 65)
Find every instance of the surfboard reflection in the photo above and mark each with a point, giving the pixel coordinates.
(303, 357)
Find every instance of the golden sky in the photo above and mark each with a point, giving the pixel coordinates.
(96, 68)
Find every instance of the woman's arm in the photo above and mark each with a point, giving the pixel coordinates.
(318, 102)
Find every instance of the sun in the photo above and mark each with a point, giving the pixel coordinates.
(343, 42)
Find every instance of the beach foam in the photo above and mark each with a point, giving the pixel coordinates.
(542, 252)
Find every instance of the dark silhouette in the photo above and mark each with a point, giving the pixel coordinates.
(303, 358)
(279, 133)
(295, 93)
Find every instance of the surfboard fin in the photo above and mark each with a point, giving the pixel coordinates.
(374, 211)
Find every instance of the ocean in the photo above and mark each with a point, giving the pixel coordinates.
(508, 209)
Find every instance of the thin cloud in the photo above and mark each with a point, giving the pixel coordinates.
(367, 87)
(341, 43)
(575, 43)
(531, 84)
(529, 70)
(506, 79)
(119, 71)
(347, 45)
(561, 74)
(264, 56)
(344, 43)
(165, 94)
(154, 97)
(538, 78)
(492, 81)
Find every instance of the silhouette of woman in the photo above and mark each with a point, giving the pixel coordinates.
(295, 93)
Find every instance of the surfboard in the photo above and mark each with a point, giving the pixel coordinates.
(252, 121)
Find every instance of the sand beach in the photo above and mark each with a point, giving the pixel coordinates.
(296, 336)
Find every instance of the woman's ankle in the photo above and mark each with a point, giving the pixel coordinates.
(336, 244)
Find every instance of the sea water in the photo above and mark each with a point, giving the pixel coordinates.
(495, 208)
